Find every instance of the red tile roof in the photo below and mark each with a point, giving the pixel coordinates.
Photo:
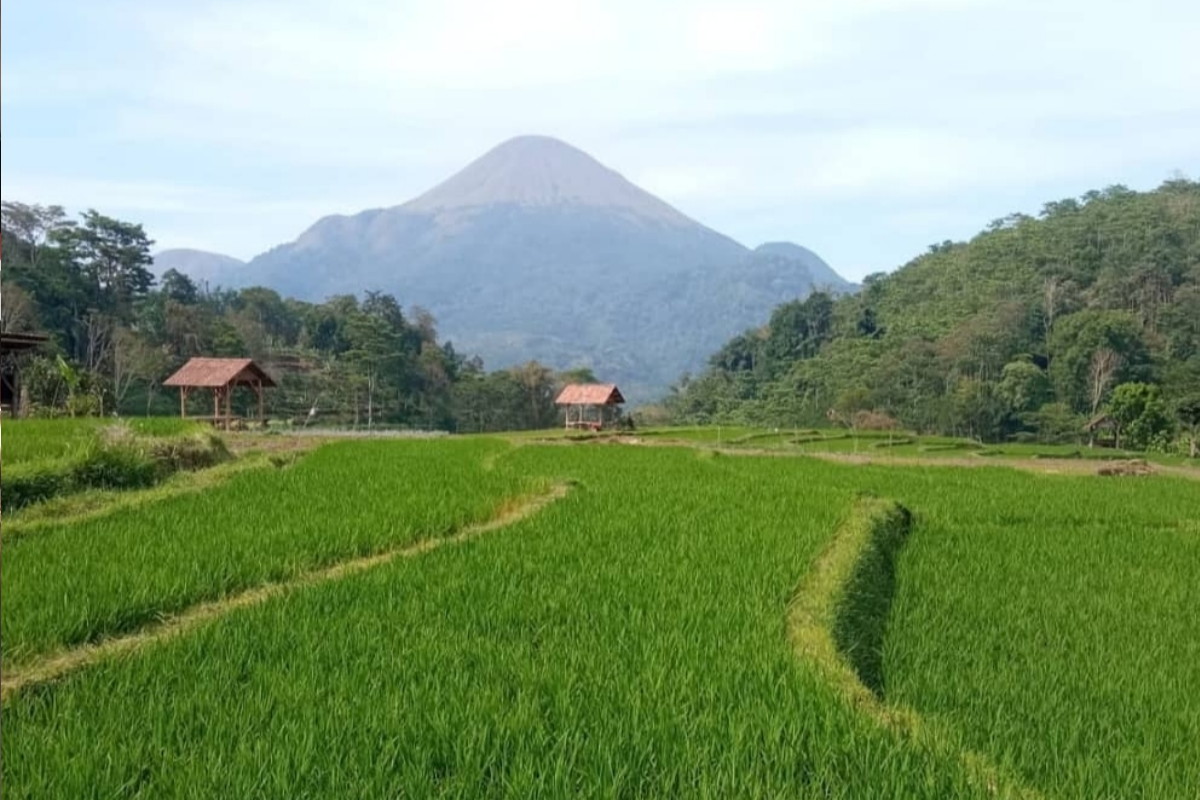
(216, 372)
(590, 394)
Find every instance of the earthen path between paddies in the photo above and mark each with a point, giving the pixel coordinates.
(1041, 466)
(59, 664)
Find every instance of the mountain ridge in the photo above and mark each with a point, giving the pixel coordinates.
(197, 264)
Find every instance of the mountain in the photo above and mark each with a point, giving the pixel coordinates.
(200, 265)
(538, 251)
(820, 273)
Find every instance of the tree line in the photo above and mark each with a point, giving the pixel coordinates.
(117, 332)
(1078, 324)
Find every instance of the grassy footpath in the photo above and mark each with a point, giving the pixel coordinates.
(76, 582)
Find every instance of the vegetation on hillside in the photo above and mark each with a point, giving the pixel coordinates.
(117, 333)
(1029, 331)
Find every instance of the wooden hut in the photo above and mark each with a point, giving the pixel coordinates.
(1101, 425)
(586, 404)
(12, 347)
(220, 376)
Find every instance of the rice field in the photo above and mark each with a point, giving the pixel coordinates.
(80, 581)
(1026, 636)
(31, 440)
(879, 444)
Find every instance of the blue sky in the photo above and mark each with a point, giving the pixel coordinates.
(864, 129)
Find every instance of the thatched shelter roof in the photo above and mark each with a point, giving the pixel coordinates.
(590, 394)
(215, 373)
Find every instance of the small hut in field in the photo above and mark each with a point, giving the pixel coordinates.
(220, 376)
(588, 405)
(12, 347)
(1102, 426)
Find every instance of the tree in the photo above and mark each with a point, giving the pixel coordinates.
(73, 381)
(798, 329)
(30, 231)
(1024, 386)
(1056, 423)
(1101, 372)
(1059, 295)
(979, 410)
(373, 348)
(18, 312)
(179, 287)
(848, 404)
(114, 257)
(1090, 350)
(1138, 414)
(1187, 411)
(134, 359)
(537, 384)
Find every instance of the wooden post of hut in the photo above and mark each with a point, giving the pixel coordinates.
(221, 376)
(584, 396)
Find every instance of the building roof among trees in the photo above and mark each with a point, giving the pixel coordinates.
(219, 372)
(13, 342)
(590, 394)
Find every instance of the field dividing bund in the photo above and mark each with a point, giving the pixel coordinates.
(838, 620)
(84, 581)
(55, 666)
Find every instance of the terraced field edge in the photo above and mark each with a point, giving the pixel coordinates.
(837, 617)
(837, 621)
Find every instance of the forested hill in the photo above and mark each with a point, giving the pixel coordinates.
(1026, 330)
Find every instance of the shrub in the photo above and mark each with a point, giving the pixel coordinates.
(873, 421)
(188, 452)
(32, 483)
(115, 459)
(113, 468)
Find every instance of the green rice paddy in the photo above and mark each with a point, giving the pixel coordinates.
(1027, 636)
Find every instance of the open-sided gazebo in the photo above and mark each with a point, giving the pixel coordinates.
(585, 403)
(221, 376)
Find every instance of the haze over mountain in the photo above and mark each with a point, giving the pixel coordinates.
(538, 251)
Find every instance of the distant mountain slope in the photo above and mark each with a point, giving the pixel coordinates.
(538, 251)
(199, 265)
(820, 273)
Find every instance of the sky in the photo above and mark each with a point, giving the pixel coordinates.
(863, 129)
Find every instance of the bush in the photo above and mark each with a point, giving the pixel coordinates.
(118, 459)
(113, 468)
(1056, 423)
(189, 452)
(33, 483)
